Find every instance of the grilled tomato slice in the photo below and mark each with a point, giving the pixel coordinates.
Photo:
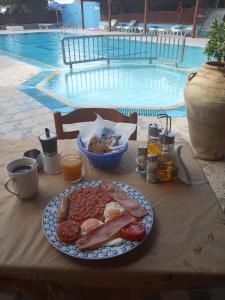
(68, 231)
(133, 232)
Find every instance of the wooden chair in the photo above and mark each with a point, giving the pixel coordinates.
(88, 115)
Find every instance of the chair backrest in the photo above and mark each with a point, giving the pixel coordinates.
(131, 23)
(113, 22)
(89, 115)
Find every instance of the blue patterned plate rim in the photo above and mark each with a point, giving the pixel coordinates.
(104, 252)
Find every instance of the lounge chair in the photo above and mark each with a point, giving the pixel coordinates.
(181, 30)
(140, 27)
(188, 30)
(105, 25)
(114, 22)
(153, 29)
(120, 26)
(130, 26)
(176, 28)
(164, 30)
(14, 28)
(150, 28)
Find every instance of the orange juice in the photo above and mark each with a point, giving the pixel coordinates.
(71, 165)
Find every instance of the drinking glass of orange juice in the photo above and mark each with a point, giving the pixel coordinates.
(71, 165)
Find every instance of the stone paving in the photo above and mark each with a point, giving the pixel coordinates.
(23, 117)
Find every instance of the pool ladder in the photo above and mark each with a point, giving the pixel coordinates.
(163, 47)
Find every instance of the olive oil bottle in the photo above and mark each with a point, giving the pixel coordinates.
(153, 138)
(165, 169)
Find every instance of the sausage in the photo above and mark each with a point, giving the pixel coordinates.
(63, 209)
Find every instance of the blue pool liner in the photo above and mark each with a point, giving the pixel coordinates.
(29, 87)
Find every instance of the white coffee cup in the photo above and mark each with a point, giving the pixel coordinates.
(23, 177)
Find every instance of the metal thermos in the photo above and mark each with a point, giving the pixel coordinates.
(49, 143)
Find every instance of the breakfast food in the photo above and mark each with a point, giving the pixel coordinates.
(134, 232)
(97, 146)
(103, 233)
(133, 207)
(89, 225)
(86, 203)
(68, 231)
(97, 216)
(113, 210)
(63, 209)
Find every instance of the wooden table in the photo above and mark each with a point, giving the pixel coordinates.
(185, 248)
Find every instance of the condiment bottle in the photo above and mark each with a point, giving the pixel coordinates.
(151, 170)
(50, 155)
(153, 138)
(165, 161)
(142, 158)
(49, 143)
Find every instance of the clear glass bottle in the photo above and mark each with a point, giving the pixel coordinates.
(165, 169)
(151, 170)
(142, 158)
(153, 138)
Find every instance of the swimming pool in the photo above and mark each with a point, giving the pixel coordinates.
(133, 84)
(145, 86)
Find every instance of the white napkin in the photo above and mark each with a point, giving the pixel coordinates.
(87, 131)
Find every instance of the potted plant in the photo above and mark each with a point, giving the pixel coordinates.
(204, 95)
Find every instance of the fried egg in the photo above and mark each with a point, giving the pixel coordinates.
(114, 242)
(113, 210)
(90, 224)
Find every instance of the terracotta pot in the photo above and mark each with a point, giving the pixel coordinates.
(205, 103)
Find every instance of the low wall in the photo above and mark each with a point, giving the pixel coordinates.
(157, 17)
(15, 19)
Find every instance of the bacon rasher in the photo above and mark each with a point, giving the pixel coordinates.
(133, 207)
(103, 233)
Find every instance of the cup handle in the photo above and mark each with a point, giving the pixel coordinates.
(7, 181)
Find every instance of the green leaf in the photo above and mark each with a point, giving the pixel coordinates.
(215, 48)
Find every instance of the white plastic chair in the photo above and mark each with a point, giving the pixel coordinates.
(105, 25)
(130, 26)
(163, 30)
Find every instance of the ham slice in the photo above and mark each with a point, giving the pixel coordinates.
(132, 206)
(103, 233)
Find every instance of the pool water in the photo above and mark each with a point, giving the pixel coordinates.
(44, 47)
(130, 84)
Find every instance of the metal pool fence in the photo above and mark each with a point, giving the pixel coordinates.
(164, 47)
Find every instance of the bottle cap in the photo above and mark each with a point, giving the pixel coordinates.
(48, 142)
(166, 137)
(47, 135)
(154, 129)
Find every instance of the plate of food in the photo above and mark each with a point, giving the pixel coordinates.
(97, 220)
